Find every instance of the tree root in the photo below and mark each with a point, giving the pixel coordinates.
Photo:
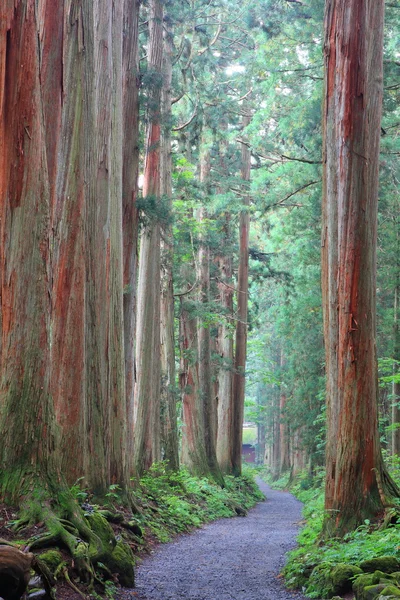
(72, 585)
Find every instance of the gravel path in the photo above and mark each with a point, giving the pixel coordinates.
(230, 559)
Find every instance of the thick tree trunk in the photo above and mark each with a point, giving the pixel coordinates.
(129, 196)
(147, 396)
(356, 481)
(169, 425)
(27, 439)
(67, 300)
(224, 340)
(242, 304)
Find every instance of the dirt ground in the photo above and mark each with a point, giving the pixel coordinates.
(230, 559)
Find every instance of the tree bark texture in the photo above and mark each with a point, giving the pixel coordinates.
(242, 306)
(193, 454)
(147, 396)
(225, 351)
(27, 443)
(61, 179)
(204, 340)
(396, 353)
(356, 482)
(169, 425)
(130, 173)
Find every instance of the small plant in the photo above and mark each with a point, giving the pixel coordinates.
(110, 590)
(80, 494)
(113, 495)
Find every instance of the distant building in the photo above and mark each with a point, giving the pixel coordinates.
(249, 453)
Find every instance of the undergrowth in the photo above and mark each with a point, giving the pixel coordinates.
(183, 501)
(366, 542)
(166, 503)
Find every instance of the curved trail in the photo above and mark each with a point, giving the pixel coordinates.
(230, 559)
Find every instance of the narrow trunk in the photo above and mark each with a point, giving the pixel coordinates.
(276, 445)
(204, 341)
(225, 351)
(224, 341)
(147, 396)
(284, 436)
(283, 427)
(396, 354)
(169, 423)
(129, 196)
(356, 481)
(242, 304)
(193, 455)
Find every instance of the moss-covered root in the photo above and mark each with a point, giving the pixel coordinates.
(94, 542)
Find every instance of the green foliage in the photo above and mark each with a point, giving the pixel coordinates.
(176, 501)
(367, 542)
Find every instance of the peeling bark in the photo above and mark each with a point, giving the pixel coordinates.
(356, 482)
(169, 425)
(61, 173)
(130, 174)
(147, 393)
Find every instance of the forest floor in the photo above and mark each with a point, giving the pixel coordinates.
(230, 559)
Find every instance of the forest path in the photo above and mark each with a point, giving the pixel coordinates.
(229, 559)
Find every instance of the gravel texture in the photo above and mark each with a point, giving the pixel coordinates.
(230, 559)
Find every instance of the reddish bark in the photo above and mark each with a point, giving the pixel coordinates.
(356, 480)
(27, 413)
(61, 201)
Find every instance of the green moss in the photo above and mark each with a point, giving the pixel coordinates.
(372, 592)
(52, 559)
(363, 581)
(320, 579)
(387, 564)
(121, 562)
(342, 577)
(391, 590)
(101, 527)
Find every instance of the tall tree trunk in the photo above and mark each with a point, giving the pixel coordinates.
(27, 439)
(224, 340)
(67, 300)
(169, 425)
(283, 427)
(193, 455)
(204, 340)
(225, 351)
(129, 197)
(147, 397)
(396, 352)
(242, 304)
(356, 482)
